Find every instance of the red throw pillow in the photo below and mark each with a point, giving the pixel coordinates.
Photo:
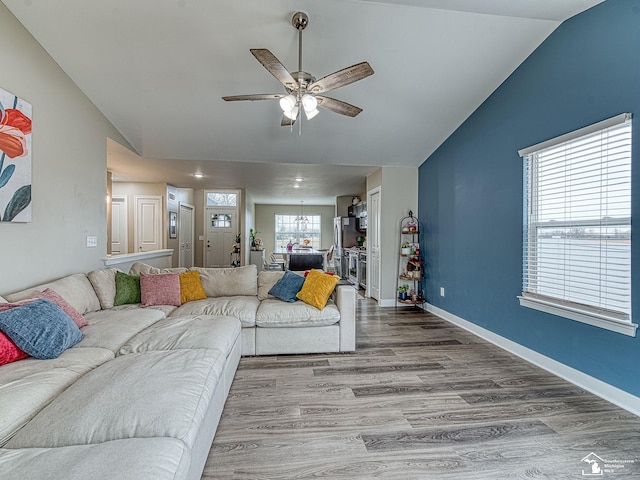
(9, 351)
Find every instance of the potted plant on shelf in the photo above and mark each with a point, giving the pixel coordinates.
(405, 248)
(252, 238)
(403, 292)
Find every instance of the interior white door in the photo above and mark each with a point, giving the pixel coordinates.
(222, 228)
(185, 235)
(373, 243)
(119, 226)
(147, 231)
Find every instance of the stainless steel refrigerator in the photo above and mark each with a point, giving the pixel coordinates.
(345, 234)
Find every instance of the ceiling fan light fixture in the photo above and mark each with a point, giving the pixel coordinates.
(311, 113)
(309, 102)
(287, 103)
(291, 114)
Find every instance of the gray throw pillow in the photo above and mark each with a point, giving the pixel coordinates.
(40, 328)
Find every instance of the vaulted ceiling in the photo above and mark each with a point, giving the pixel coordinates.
(158, 70)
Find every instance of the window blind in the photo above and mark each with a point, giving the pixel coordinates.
(577, 238)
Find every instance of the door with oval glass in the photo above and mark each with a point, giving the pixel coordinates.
(221, 228)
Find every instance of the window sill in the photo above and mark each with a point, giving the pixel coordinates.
(590, 318)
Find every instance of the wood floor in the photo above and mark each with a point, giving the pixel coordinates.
(420, 399)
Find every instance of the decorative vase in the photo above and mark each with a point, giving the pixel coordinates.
(402, 295)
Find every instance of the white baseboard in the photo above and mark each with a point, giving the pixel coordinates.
(608, 392)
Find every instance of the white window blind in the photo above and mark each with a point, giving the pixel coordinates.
(577, 231)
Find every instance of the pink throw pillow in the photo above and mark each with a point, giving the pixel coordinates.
(55, 297)
(9, 351)
(160, 289)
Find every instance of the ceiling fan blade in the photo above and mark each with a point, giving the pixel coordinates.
(338, 106)
(275, 67)
(257, 96)
(341, 78)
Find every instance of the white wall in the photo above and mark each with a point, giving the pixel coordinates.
(69, 168)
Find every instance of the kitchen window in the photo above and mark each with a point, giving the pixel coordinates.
(297, 229)
(577, 226)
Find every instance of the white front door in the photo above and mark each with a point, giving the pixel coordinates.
(185, 236)
(222, 228)
(373, 244)
(147, 231)
(119, 226)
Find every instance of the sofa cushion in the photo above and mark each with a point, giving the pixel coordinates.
(160, 289)
(3, 300)
(175, 389)
(9, 351)
(75, 289)
(26, 387)
(66, 307)
(287, 287)
(228, 282)
(127, 289)
(138, 267)
(242, 308)
(191, 287)
(129, 459)
(276, 313)
(266, 280)
(318, 287)
(40, 328)
(104, 284)
(195, 331)
(111, 329)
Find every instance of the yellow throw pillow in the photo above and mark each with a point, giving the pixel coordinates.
(317, 288)
(191, 287)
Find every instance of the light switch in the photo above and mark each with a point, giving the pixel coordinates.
(92, 241)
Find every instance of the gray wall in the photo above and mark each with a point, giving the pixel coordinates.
(69, 168)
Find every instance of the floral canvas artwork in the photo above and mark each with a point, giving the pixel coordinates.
(15, 158)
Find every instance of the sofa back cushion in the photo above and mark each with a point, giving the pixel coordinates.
(266, 280)
(104, 284)
(138, 267)
(228, 282)
(75, 289)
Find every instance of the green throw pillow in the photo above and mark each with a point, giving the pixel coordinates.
(127, 289)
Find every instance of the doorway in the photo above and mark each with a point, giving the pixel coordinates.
(373, 243)
(147, 230)
(119, 226)
(185, 235)
(221, 228)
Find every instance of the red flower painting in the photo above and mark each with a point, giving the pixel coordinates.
(14, 127)
(15, 142)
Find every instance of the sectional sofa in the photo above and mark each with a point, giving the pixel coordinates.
(140, 396)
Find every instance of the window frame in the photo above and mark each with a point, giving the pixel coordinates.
(297, 233)
(598, 316)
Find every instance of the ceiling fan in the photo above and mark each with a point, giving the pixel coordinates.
(304, 92)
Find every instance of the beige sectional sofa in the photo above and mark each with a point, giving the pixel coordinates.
(141, 395)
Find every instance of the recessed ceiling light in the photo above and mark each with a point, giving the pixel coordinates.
(296, 186)
(198, 175)
(299, 179)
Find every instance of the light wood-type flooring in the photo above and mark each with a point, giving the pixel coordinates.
(420, 399)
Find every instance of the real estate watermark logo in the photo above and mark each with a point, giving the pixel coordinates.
(599, 467)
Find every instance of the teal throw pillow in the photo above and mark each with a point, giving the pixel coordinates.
(127, 289)
(287, 287)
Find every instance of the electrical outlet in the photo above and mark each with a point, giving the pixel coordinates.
(442, 291)
(92, 241)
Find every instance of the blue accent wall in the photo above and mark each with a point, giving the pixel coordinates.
(470, 189)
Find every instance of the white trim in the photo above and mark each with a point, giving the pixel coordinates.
(610, 122)
(608, 392)
(134, 257)
(591, 318)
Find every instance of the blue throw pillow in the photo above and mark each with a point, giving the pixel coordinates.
(40, 328)
(287, 287)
